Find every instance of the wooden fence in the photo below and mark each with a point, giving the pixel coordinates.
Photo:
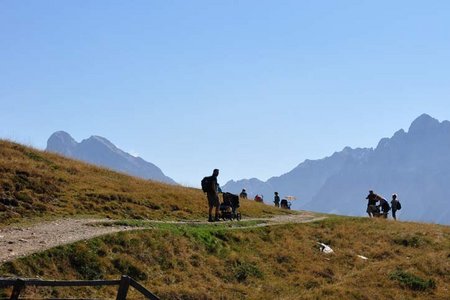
(124, 283)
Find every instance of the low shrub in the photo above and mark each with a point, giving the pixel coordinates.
(410, 241)
(412, 281)
(243, 270)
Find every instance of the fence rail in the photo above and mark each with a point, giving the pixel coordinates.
(124, 283)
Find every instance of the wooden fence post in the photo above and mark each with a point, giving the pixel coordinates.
(143, 290)
(123, 288)
(18, 287)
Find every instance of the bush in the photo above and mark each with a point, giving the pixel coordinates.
(410, 241)
(244, 270)
(412, 281)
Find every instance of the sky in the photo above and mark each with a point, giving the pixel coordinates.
(250, 87)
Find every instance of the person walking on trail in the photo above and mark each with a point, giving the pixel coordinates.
(372, 203)
(276, 199)
(395, 205)
(213, 196)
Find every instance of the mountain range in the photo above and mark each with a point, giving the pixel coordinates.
(99, 151)
(413, 164)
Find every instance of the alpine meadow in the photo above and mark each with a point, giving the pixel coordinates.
(178, 257)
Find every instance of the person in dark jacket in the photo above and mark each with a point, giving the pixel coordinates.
(372, 208)
(371, 203)
(276, 200)
(213, 196)
(384, 205)
(395, 204)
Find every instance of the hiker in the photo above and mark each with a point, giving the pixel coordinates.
(213, 196)
(276, 200)
(385, 208)
(395, 205)
(372, 203)
(243, 194)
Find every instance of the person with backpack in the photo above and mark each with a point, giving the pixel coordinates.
(395, 204)
(276, 200)
(211, 188)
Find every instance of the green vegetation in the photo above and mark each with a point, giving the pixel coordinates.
(194, 260)
(412, 281)
(186, 224)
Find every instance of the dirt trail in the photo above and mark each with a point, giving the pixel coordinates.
(17, 242)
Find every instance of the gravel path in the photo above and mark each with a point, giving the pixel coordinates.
(21, 241)
(17, 242)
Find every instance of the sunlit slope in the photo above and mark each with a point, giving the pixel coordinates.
(37, 184)
(404, 261)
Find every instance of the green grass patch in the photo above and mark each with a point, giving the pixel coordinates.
(412, 281)
(409, 240)
(171, 225)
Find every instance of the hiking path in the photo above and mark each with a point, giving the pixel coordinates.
(20, 241)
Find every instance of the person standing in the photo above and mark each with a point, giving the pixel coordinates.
(213, 196)
(276, 200)
(395, 205)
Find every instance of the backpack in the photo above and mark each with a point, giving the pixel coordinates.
(206, 184)
(399, 206)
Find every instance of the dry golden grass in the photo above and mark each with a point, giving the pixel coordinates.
(405, 260)
(36, 184)
(277, 262)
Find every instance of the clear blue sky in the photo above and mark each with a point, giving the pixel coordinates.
(250, 87)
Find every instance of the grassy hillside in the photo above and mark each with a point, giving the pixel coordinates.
(213, 261)
(36, 184)
(405, 261)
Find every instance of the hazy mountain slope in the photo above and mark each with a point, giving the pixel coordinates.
(303, 181)
(99, 151)
(311, 175)
(253, 186)
(413, 164)
(416, 165)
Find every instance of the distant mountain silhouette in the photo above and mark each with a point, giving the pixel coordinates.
(99, 151)
(413, 164)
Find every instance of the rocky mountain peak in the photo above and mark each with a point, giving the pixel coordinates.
(99, 142)
(61, 142)
(423, 125)
(100, 151)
